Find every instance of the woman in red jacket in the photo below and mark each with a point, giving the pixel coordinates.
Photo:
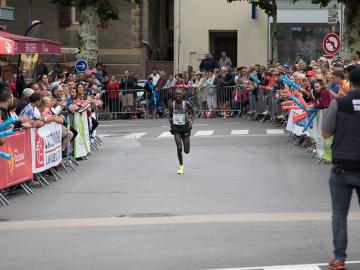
(322, 96)
(113, 88)
(13, 84)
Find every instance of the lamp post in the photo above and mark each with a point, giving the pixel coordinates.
(30, 12)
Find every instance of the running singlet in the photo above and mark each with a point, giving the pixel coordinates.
(179, 115)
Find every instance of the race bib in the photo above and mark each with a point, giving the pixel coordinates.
(179, 119)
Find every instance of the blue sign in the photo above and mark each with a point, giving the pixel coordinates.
(81, 65)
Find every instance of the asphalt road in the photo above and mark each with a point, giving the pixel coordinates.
(248, 198)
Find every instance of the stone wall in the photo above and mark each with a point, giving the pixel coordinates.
(119, 46)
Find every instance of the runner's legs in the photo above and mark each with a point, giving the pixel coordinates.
(186, 143)
(179, 143)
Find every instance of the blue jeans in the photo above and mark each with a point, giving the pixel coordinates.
(342, 183)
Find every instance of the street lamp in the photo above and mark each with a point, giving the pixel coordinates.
(30, 12)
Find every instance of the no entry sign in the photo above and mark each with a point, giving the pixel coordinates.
(331, 43)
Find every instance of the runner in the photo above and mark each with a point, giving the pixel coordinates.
(181, 116)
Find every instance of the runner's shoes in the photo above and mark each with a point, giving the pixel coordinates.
(337, 265)
(181, 169)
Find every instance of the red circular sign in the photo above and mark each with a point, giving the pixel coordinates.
(331, 43)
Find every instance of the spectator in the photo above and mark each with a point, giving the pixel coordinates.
(91, 69)
(41, 69)
(149, 88)
(170, 83)
(339, 78)
(94, 79)
(342, 121)
(20, 83)
(101, 73)
(31, 111)
(127, 96)
(113, 87)
(155, 76)
(7, 104)
(13, 84)
(299, 60)
(162, 80)
(25, 99)
(44, 79)
(224, 61)
(322, 97)
(35, 87)
(208, 63)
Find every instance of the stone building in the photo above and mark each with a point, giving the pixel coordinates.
(144, 32)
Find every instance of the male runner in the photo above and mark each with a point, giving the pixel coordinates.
(181, 116)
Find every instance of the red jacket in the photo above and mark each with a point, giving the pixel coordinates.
(13, 87)
(113, 88)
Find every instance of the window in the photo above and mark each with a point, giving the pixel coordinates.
(305, 38)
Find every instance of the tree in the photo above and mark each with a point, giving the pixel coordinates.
(351, 35)
(270, 8)
(93, 15)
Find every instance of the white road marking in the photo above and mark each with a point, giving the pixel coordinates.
(309, 267)
(116, 125)
(135, 135)
(286, 267)
(105, 135)
(194, 125)
(204, 133)
(165, 134)
(240, 132)
(274, 131)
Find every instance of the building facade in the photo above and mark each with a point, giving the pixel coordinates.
(303, 26)
(139, 36)
(203, 26)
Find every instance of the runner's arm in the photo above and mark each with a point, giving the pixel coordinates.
(192, 111)
(170, 117)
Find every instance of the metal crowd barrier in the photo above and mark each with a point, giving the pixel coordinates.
(208, 101)
(34, 154)
(124, 104)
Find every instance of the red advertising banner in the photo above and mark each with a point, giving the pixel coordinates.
(19, 168)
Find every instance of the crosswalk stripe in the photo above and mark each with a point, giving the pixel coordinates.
(204, 133)
(239, 132)
(165, 134)
(274, 131)
(309, 267)
(134, 135)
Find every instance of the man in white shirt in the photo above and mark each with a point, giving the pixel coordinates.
(224, 61)
(155, 75)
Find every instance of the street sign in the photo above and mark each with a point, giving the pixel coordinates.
(329, 57)
(331, 43)
(81, 65)
(65, 50)
(333, 15)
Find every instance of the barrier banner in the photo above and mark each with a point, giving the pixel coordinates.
(82, 140)
(18, 169)
(46, 147)
(323, 146)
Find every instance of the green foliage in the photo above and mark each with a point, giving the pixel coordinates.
(266, 5)
(323, 3)
(104, 8)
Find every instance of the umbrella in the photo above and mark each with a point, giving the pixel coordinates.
(7, 46)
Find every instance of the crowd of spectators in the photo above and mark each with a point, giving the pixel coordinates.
(220, 90)
(52, 97)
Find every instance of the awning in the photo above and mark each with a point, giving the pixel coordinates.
(7, 46)
(30, 45)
